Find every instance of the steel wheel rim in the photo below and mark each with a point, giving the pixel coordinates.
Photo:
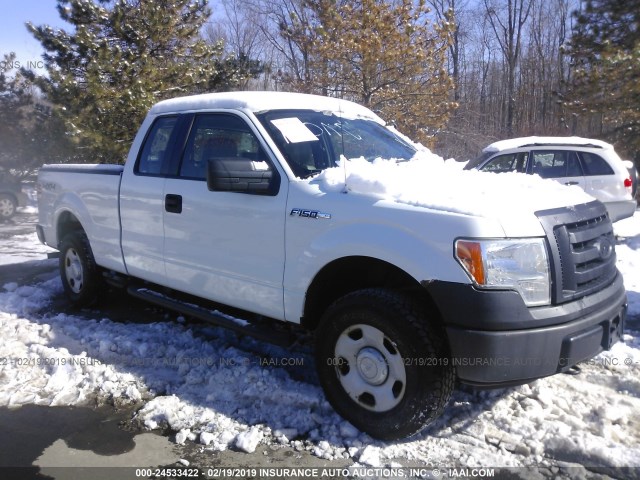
(370, 368)
(6, 207)
(73, 270)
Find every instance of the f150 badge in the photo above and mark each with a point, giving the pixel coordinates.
(301, 212)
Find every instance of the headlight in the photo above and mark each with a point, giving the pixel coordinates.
(518, 264)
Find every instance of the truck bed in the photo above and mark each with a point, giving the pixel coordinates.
(91, 192)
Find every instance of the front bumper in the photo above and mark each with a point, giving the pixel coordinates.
(495, 340)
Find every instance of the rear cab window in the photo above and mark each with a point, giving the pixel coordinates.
(154, 155)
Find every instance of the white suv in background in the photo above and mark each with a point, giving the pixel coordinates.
(590, 164)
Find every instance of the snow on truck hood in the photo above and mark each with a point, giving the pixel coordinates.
(428, 181)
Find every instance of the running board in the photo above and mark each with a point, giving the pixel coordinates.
(215, 317)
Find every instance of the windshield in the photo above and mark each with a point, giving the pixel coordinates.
(478, 160)
(312, 141)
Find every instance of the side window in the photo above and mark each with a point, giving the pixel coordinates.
(594, 164)
(153, 158)
(219, 136)
(573, 166)
(555, 164)
(510, 162)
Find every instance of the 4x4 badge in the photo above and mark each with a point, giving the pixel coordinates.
(301, 212)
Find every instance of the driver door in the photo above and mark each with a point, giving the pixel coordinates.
(224, 246)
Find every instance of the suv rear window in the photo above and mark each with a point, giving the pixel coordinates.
(594, 164)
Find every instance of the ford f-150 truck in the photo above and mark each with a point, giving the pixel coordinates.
(249, 200)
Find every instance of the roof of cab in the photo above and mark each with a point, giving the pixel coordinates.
(255, 101)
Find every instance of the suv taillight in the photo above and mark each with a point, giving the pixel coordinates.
(628, 184)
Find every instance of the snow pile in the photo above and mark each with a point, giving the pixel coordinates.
(627, 250)
(249, 440)
(209, 386)
(205, 388)
(428, 181)
(37, 364)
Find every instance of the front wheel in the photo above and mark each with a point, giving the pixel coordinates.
(78, 270)
(382, 365)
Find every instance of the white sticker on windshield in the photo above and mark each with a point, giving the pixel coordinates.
(260, 165)
(294, 130)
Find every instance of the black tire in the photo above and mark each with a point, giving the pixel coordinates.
(380, 343)
(80, 275)
(8, 206)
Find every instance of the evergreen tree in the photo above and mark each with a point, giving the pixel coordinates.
(29, 134)
(13, 102)
(234, 72)
(605, 50)
(384, 55)
(120, 57)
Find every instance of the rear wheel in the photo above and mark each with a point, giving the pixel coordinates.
(8, 206)
(382, 365)
(78, 270)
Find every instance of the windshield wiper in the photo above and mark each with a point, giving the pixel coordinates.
(311, 173)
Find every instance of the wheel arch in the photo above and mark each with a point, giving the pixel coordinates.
(348, 274)
(10, 194)
(67, 223)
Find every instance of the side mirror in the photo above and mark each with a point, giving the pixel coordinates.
(243, 175)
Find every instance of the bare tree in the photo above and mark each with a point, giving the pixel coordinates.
(507, 23)
(245, 47)
(284, 24)
(453, 11)
(506, 59)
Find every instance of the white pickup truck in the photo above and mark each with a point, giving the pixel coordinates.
(309, 210)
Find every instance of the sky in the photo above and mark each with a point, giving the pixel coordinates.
(14, 36)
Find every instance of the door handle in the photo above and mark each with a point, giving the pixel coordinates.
(173, 203)
(572, 183)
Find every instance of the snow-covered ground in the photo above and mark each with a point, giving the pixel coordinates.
(21, 247)
(221, 391)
